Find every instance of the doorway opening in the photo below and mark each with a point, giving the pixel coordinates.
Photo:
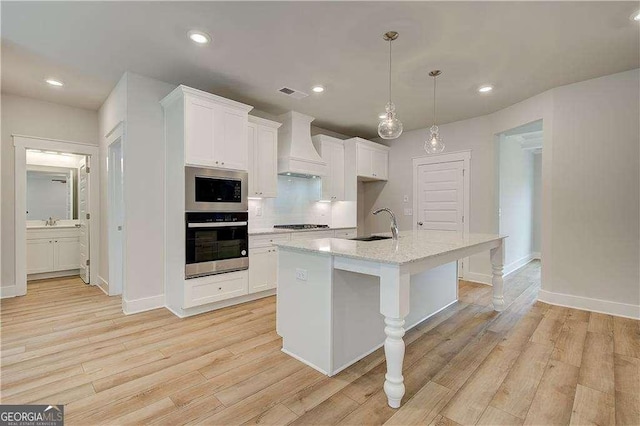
(55, 216)
(520, 193)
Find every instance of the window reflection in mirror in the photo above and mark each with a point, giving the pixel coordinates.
(52, 192)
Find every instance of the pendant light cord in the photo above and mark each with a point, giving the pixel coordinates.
(390, 70)
(434, 101)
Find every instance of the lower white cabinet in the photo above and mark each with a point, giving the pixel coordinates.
(263, 269)
(214, 288)
(52, 250)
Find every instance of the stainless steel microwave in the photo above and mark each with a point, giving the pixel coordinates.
(215, 190)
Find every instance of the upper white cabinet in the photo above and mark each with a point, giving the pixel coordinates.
(332, 152)
(372, 160)
(262, 137)
(214, 128)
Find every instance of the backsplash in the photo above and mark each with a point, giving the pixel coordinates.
(297, 202)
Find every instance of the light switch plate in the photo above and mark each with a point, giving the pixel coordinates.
(301, 274)
(406, 199)
(258, 211)
(408, 212)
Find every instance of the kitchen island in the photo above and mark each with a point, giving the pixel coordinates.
(332, 291)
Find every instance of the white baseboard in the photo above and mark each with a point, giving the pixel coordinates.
(587, 304)
(477, 277)
(184, 313)
(141, 305)
(536, 255)
(514, 266)
(56, 274)
(103, 284)
(7, 291)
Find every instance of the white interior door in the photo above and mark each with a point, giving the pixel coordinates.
(441, 197)
(116, 217)
(83, 217)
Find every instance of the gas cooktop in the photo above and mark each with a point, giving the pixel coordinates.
(301, 226)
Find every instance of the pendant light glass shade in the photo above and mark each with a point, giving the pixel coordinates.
(434, 144)
(390, 127)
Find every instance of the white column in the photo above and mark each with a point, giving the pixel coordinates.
(497, 264)
(394, 305)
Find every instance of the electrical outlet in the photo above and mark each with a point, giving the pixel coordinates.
(406, 199)
(258, 211)
(408, 212)
(301, 274)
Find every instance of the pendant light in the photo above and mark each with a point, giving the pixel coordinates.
(390, 127)
(434, 144)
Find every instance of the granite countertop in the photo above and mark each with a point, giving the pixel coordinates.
(410, 247)
(266, 231)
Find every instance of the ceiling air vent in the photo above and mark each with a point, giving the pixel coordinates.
(296, 94)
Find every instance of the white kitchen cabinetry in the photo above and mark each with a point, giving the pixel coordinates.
(372, 160)
(215, 288)
(262, 136)
(215, 128)
(332, 152)
(52, 250)
(263, 261)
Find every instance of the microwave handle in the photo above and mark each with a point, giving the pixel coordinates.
(215, 224)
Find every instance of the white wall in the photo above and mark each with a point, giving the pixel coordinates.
(516, 182)
(536, 230)
(136, 101)
(590, 187)
(31, 117)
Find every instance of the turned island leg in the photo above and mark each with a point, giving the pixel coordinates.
(497, 266)
(394, 305)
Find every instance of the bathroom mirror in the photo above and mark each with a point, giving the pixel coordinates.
(52, 192)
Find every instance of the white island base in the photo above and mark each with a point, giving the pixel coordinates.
(331, 293)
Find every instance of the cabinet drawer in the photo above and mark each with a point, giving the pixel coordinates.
(311, 235)
(346, 233)
(268, 240)
(214, 288)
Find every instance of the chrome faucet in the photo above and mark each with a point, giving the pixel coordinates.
(51, 222)
(394, 222)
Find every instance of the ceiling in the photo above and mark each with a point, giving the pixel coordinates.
(522, 48)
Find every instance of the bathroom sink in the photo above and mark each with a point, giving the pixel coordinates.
(371, 238)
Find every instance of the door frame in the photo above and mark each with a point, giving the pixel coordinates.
(465, 157)
(115, 285)
(21, 143)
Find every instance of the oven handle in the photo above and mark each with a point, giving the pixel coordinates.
(215, 224)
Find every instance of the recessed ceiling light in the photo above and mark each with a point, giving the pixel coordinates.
(199, 37)
(635, 16)
(54, 82)
(318, 89)
(485, 89)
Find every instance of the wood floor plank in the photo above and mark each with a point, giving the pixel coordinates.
(570, 343)
(332, 411)
(495, 417)
(592, 407)
(469, 403)
(600, 323)
(277, 415)
(553, 401)
(423, 407)
(626, 336)
(597, 370)
(627, 387)
(519, 387)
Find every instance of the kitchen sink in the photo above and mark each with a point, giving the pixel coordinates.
(371, 238)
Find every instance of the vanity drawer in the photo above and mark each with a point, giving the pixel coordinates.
(346, 233)
(214, 288)
(268, 240)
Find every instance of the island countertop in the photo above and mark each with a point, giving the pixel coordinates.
(411, 246)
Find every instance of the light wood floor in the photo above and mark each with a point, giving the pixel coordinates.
(532, 364)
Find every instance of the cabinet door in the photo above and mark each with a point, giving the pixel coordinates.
(379, 164)
(200, 132)
(263, 264)
(252, 148)
(337, 172)
(39, 256)
(66, 254)
(231, 139)
(214, 288)
(363, 157)
(268, 161)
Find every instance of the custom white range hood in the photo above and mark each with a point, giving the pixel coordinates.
(296, 154)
